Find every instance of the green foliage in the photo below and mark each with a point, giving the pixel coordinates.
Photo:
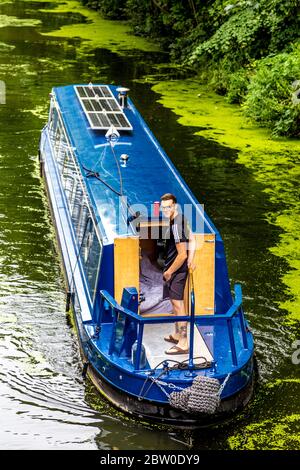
(272, 98)
(197, 29)
(238, 85)
(239, 47)
(250, 30)
(112, 9)
(165, 20)
(145, 18)
(236, 39)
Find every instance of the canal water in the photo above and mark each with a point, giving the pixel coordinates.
(44, 402)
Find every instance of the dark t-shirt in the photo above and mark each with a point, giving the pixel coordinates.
(177, 232)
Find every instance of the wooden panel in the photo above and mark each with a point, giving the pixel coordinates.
(204, 274)
(126, 265)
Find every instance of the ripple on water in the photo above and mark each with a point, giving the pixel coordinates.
(39, 370)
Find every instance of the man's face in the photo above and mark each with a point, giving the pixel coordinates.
(168, 208)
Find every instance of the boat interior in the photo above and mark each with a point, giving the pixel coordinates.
(138, 262)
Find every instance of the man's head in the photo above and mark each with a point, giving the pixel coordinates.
(168, 205)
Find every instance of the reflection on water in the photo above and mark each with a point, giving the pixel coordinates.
(43, 399)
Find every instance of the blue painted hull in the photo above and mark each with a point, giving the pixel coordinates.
(123, 390)
(135, 390)
(153, 410)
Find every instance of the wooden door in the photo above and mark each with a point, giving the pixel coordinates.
(126, 265)
(203, 276)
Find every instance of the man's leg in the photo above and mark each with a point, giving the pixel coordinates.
(180, 327)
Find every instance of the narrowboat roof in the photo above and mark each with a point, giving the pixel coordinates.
(148, 174)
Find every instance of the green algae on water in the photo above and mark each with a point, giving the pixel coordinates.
(283, 381)
(6, 47)
(274, 163)
(6, 20)
(284, 434)
(98, 32)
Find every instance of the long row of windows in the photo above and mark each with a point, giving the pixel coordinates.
(82, 216)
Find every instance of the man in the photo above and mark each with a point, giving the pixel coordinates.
(180, 251)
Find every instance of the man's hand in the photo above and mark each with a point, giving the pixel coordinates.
(167, 276)
(191, 265)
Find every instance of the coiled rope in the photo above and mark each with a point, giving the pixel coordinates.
(203, 396)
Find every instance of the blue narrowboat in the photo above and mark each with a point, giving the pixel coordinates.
(104, 172)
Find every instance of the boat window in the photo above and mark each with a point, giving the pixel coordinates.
(58, 138)
(89, 243)
(78, 198)
(69, 177)
(73, 193)
(53, 120)
(82, 223)
(91, 254)
(61, 148)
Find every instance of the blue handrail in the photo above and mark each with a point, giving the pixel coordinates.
(192, 323)
(167, 319)
(234, 310)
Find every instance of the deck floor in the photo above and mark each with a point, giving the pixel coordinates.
(155, 345)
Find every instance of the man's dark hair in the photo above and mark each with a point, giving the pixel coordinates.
(168, 196)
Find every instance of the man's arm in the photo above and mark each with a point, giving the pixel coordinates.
(178, 261)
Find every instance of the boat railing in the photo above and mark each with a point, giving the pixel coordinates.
(235, 311)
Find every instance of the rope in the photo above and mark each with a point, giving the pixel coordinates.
(120, 178)
(96, 174)
(118, 166)
(140, 397)
(159, 383)
(203, 396)
(224, 383)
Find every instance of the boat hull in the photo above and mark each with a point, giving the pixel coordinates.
(165, 414)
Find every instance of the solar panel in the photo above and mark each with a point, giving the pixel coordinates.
(101, 107)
